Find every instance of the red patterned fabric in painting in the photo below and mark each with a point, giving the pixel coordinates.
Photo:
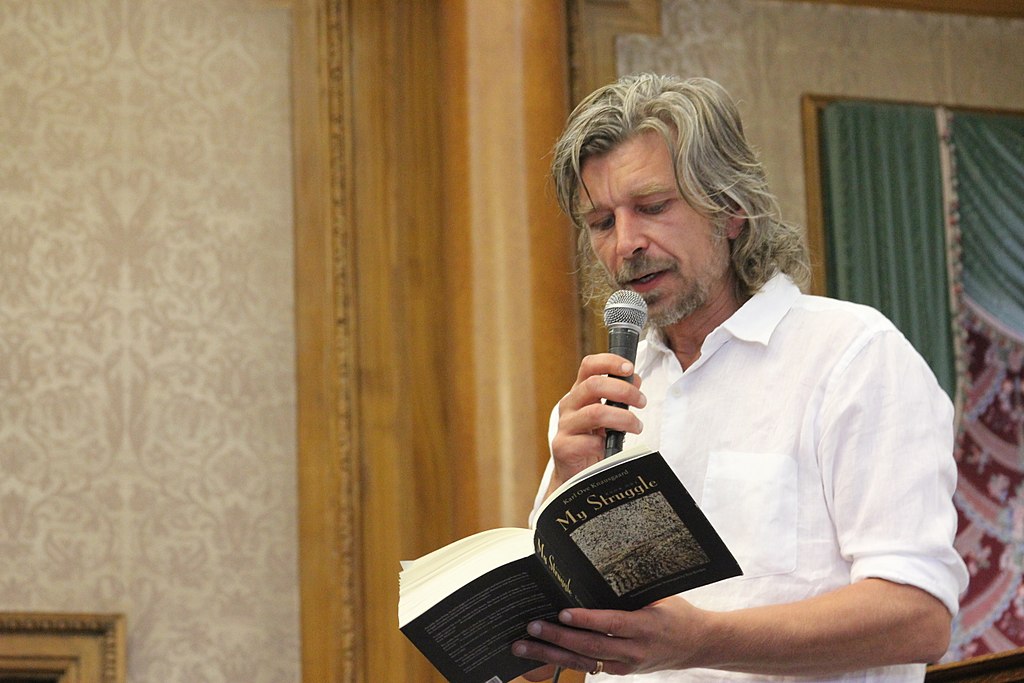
(990, 491)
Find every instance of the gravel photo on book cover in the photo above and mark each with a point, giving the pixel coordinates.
(638, 543)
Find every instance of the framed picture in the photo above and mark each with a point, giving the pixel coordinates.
(62, 648)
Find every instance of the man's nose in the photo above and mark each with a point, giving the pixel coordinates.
(630, 237)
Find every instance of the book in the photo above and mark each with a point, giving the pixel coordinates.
(621, 534)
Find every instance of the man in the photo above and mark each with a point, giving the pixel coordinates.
(812, 435)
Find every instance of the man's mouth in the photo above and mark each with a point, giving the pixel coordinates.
(643, 273)
(644, 281)
(646, 278)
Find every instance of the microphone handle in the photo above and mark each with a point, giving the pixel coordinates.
(622, 342)
(612, 442)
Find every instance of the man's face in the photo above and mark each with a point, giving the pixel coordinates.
(647, 237)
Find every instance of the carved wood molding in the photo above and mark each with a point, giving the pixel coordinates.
(991, 8)
(331, 625)
(85, 648)
(344, 508)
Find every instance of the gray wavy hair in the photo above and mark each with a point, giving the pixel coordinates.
(717, 172)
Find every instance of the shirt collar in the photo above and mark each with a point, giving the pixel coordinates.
(760, 315)
(754, 322)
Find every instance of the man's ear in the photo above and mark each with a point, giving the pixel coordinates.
(734, 226)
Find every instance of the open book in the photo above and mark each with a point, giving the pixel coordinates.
(621, 534)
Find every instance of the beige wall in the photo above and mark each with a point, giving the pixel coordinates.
(147, 391)
(769, 53)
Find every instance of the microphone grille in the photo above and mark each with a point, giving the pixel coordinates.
(625, 307)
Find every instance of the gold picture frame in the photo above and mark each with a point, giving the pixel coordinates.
(62, 647)
(1002, 667)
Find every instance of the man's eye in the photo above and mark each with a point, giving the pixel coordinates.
(601, 224)
(653, 209)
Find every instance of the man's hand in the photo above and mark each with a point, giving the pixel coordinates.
(583, 417)
(664, 635)
(868, 624)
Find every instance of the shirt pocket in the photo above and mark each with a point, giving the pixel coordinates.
(751, 500)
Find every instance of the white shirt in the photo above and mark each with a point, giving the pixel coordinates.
(819, 444)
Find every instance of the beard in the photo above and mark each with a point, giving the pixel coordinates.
(679, 306)
(665, 306)
(676, 299)
(681, 296)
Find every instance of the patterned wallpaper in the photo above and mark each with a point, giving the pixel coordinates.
(769, 53)
(147, 455)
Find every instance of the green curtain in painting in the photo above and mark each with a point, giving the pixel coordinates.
(989, 171)
(884, 220)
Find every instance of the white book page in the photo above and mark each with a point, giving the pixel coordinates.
(424, 582)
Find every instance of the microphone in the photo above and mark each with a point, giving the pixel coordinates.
(625, 315)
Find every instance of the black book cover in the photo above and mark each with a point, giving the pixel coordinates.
(621, 534)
